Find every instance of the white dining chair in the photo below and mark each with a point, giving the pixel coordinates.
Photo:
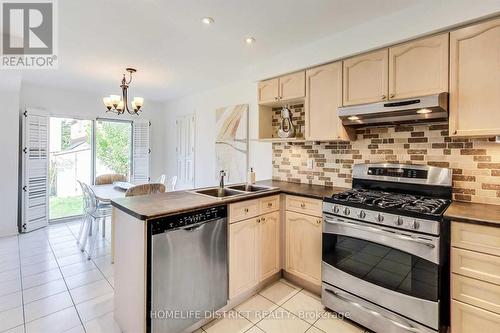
(161, 180)
(95, 212)
(174, 182)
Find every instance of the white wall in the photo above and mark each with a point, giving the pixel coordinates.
(9, 149)
(85, 105)
(204, 105)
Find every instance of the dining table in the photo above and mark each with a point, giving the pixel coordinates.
(107, 192)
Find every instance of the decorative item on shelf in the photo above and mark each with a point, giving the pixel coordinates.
(118, 104)
(287, 129)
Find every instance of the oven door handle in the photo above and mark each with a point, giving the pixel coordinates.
(407, 326)
(375, 229)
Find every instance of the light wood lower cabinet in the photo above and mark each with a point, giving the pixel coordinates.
(269, 230)
(243, 256)
(303, 246)
(475, 278)
(254, 243)
(470, 319)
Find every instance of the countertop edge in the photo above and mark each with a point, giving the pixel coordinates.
(318, 192)
(473, 213)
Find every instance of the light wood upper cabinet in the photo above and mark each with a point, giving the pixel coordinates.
(285, 88)
(292, 86)
(475, 80)
(243, 256)
(323, 97)
(268, 91)
(269, 244)
(303, 246)
(419, 67)
(366, 78)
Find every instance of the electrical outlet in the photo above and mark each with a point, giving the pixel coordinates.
(310, 164)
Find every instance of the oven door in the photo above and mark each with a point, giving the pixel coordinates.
(395, 269)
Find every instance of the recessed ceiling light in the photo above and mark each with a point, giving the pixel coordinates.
(249, 40)
(424, 111)
(207, 20)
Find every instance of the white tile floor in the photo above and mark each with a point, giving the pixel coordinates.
(47, 285)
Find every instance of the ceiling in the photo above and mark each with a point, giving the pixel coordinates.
(175, 53)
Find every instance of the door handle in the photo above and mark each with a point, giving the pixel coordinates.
(378, 230)
(407, 326)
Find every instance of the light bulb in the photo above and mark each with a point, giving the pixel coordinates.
(115, 99)
(107, 102)
(120, 106)
(207, 20)
(138, 101)
(249, 40)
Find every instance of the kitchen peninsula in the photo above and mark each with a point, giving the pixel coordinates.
(136, 218)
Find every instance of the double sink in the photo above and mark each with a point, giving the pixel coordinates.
(230, 191)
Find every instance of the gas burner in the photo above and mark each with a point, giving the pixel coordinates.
(388, 200)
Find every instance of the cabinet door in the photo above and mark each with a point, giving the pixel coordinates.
(469, 319)
(323, 97)
(292, 86)
(268, 91)
(365, 78)
(243, 256)
(303, 246)
(475, 80)
(269, 244)
(419, 68)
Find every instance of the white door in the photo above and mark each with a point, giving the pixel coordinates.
(185, 135)
(35, 198)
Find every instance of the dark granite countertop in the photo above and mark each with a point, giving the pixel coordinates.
(170, 203)
(474, 213)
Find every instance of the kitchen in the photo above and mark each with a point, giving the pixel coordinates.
(367, 199)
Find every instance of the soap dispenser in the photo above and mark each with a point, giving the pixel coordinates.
(251, 176)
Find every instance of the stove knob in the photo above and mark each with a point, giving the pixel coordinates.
(347, 211)
(335, 209)
(380, 217)
(415, 225)
(362, 214)
(399, 220)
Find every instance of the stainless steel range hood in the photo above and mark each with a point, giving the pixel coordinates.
(422, 109)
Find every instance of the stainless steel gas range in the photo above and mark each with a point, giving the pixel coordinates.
(385, 248)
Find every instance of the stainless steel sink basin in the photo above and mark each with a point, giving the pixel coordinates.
(219, 193)
(249, 188)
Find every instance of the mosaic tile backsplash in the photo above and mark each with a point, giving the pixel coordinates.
(475, 162)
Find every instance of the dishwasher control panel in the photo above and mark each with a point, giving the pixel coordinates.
(168, 223)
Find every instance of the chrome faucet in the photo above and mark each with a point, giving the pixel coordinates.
(222, 174)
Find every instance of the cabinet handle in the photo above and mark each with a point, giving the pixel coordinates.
(383, 97)
(269, 204)
(276, 98)
(246, 210)
(318, 221)
(392, 95)
(455, 132)
(258, 220)
(263, 219)
(303, 205)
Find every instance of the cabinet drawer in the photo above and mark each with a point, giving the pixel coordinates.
(477, 265)
(243, 210)
(474, 292)
(476, 237)
(304, 205)
(470, 319)
(269, 204)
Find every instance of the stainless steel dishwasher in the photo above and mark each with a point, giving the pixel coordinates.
(188, 269)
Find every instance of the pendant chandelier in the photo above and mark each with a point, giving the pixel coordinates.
(119, 104)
